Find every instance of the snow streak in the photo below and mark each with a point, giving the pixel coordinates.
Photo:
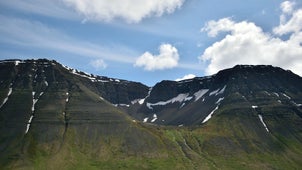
(210, 115)
(261, 119)
(200, 93)
(154, 118)
(180, 98)
(10, 90)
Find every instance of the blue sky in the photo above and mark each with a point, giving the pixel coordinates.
(150, 41)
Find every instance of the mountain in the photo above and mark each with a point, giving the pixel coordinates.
(192, 102)
(56, 117)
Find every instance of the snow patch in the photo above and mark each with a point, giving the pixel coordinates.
(261, 119)
(214, 92)
(210, 115)
(218, 91)
(279, 101)
(286, 96)
(46, 83)
(276, 94)
(219, 100)
(180, 98)
(30, 119)
(27, 128)
(124, 105)
(34, 103)
(10, 90)
(296, 104)
(17, 62)
(41, 94)
(254, 107)
(267, 93)
(154, 118)
(145, 119)
(28, 124)
(67, 97)
(200, 93)
(139, 101)
(85, 75)
(4, 101)
(222, 90)
(180, 125)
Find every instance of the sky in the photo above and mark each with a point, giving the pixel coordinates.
(153, 40)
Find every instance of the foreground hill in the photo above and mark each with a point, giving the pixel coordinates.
(55, 117)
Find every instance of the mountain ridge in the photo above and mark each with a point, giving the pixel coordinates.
(53, 116)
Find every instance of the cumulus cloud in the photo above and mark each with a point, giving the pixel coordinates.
(167, 58)
(287, 6)
(129, 10)
(185, 77)
(98, 64)
(291, 25)
(247, 43)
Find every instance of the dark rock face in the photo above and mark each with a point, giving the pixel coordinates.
(178, 103)
(122, 92)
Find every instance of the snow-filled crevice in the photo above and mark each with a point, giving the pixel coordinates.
(210, 115)
(10, 90)
(34, 102)
(261, 118)
(262, 121)
(218, 102)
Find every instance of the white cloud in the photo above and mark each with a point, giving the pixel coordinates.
(293, 24)
(98, 64)
(185, 77)
(287, 7)
(167, 58)
(247, 43)
(129, 10)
